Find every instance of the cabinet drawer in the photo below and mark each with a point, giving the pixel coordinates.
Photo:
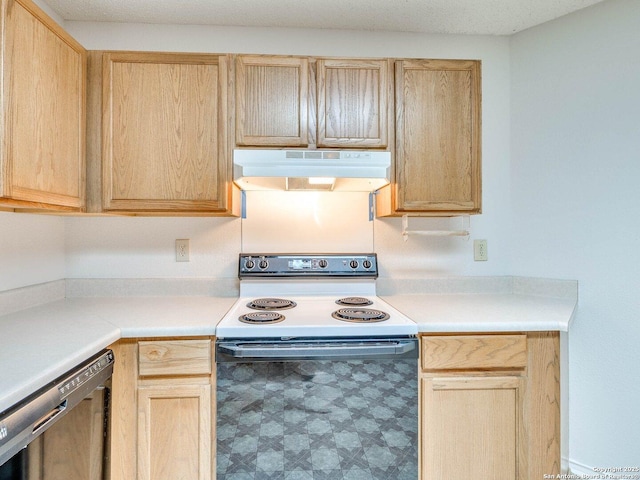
(473, 352)
(174, 357)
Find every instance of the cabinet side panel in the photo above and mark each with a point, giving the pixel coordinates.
(124, 384)
(543, 404)
(94, 130)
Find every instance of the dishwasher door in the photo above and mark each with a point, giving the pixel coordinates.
(64, 427)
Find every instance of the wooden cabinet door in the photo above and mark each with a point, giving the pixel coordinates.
(354, 98)
(175, 432)
(43, 107)
(272, 101)
(164, 132)
(472, 427)
(437, 165)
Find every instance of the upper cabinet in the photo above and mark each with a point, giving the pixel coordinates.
(438, 139)
(164, 133)
(42, 159)
(324, 103)
(272, 95)
(354, 102)
(161, 126)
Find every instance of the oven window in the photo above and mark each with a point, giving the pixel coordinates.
(322, 419)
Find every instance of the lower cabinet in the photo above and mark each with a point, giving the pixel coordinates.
(489, 406)
(163, 410)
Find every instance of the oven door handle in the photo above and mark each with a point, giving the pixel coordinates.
(318, 350)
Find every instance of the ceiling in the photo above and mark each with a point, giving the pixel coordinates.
(483, 17)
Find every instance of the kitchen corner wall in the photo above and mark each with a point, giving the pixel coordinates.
(31, 249)
(575, 197)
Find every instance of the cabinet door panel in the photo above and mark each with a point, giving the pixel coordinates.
(271, 101)
(353, 103)
(44, 109)
(174, 432)
(472, 428)
(164, 144)
(438, 136)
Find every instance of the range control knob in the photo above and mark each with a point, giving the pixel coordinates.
(366, 264)
(353, 264)
(323, 263)
(263, 264)
(249, 264)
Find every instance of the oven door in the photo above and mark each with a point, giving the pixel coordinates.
(318, 408)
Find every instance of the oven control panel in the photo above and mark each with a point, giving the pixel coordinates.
(305, 265)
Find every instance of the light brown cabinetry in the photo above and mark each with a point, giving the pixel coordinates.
(163, 410)
(301, 102)
(354, 102)
(489, 406)
(42, 158)
(272, 95)
(438, 139)
(163, 133)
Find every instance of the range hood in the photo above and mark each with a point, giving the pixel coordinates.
(337, 170)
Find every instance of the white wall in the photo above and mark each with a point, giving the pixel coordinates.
(90, 254)
(31, 249)
(575, 174)
(144, 247)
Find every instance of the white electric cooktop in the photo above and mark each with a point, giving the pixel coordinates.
(310, 285)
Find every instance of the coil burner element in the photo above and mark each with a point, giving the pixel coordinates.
(360, 315)
(271, 304)
(261, 318)
(354, 301)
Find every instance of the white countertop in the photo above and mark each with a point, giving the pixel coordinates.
(485, 312)
(41, 343)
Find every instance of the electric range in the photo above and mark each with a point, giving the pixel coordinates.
(311, 296)
(318, 393)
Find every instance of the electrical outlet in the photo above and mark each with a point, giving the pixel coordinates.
(480, 251)
(182, 250)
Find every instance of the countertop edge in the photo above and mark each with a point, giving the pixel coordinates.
(139, 323)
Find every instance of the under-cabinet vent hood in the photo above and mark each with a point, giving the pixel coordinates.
(338, 170)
